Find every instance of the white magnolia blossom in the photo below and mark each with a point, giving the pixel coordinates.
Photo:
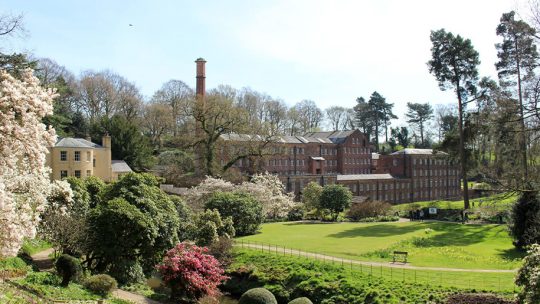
(270, 192)
(24, 178)
(265, 188)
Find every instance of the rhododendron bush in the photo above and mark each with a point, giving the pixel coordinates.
(24, 179)
(266, 188)
(190, 272)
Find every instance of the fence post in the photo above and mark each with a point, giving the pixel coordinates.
(415, 275)
(403, 274)
(341, 262)
(381, 271)
(391, 272)
(371, 272)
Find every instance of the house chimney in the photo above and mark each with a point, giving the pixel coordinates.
(200, 89)
(106, 141)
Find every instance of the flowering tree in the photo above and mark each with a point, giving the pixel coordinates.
(199, 194)
(270, 192)
(190, 272)
(24, 179)
(529, 276)
(266, 188)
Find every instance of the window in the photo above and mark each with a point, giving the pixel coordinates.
(63, 174)
(63, 156)
(78, 173)
(77, 156)
(88, 156)
(88, 173)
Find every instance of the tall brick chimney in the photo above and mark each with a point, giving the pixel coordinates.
(200, 91)
(200, 88)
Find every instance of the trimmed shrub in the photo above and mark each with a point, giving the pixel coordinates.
(367, 209)
(257, 296)
(528, 278)
(69, 268)
(302, 300)
(101, 284)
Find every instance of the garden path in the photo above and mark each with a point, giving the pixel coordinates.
(45, 263)
(318, 256)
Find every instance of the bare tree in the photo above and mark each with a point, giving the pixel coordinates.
(157, 121)
(11, 25)
(177, 94)
(336, 115)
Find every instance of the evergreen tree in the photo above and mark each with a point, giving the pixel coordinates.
(454, 64)
(419, 114)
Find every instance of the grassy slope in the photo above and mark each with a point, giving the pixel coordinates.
(449, 245)
(410, 286)
(500, 201)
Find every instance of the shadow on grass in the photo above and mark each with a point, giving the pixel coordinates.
(457, 235)
(310, 223)
(512, 254)
(380, 230)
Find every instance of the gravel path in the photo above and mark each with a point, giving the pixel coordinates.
(318, 256)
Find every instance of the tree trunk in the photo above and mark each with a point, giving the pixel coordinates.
(462, 153)
(522, 120)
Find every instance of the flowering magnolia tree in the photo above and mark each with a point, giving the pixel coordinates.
(191, 273)
(24, 179)
(270, 192)
(265, 188)
(528, 276)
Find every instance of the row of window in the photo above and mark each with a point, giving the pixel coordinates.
(357, 171)
(435, 183)
(76, 173)
(429, 161)
(76, 156)
(357, 161)
(436, 172)
(356, 150)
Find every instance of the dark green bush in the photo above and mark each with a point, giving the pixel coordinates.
(525, 220)
(100, 284)
(246, 212)
(295, 214)
(69, 268)
(257, 296)
(127, 271)
(302, 300)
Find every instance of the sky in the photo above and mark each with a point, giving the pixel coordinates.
(330, 52)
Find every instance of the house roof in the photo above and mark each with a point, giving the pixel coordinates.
(70, 142)
(353, 177)
(410, 151)
(276, 139)
(336, 137)
(120, 166)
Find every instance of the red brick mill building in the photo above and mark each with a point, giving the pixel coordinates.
(345, 157)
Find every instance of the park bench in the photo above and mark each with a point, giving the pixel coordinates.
(402, 254)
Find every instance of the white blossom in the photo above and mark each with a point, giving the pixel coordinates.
(265, 188)
(24, 178)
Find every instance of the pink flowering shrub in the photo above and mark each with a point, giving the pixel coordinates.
(190, 272)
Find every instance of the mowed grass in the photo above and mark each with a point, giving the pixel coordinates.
(501, 202)
(448, 245)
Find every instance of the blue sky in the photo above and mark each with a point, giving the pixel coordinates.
(327, 51)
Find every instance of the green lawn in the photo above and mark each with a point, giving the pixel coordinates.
(449, 245)
(500, 202)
